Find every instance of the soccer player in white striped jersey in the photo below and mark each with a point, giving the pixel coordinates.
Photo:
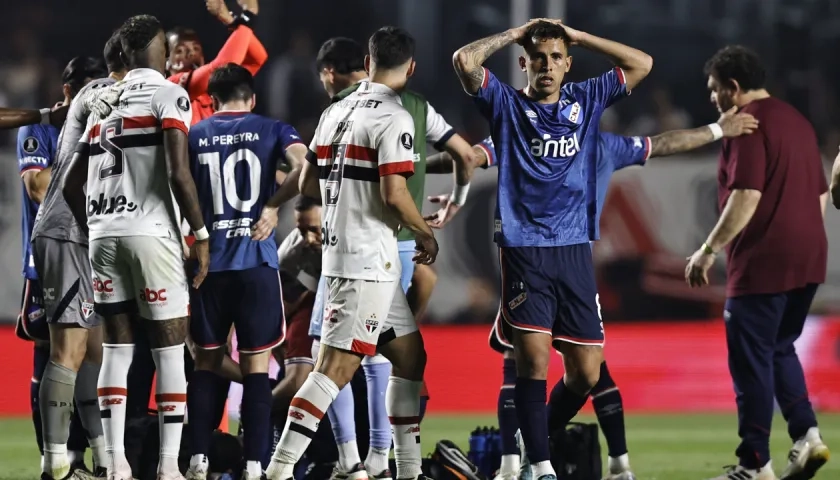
(135, 163)
(362, 153)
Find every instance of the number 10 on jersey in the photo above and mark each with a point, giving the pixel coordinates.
(223, 179)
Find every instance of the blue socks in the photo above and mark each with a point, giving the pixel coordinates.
(377, 375)
(606, 398)
(529, 398)
(563, 405)
(256, 415)
(201, 405)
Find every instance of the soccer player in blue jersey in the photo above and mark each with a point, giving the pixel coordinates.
(546, 141)
(614, 153)
(234, 158)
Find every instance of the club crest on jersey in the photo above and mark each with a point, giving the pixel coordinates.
(371, 323)
(518, 300)
(183, 103)
(572, 112)
(87, 308)
(30, 145)
(407, 141)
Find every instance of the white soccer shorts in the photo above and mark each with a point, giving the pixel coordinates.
(359, 311)
(144, 274)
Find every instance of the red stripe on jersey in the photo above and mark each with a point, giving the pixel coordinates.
(356, 152)
(146, 121)
(486, 78)
(175, 123)
(621, 78)
(406, 166)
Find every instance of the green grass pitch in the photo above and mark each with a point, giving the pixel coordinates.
(662, 447)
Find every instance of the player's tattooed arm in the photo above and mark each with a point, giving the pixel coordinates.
(468, 60)
(731, 124)
(443, 162)
(19, 117)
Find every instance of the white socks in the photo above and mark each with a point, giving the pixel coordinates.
(112, 392)
(171, 398)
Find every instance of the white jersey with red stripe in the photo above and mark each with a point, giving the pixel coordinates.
(359, 139)
(128, 191)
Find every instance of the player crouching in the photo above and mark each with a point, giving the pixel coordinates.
(235, 154)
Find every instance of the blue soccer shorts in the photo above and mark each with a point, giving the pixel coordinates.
(251, 300)
(551, 290)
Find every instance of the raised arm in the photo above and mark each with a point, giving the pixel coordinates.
(19, 117)
(468, 60)
(635, 63)
(730, 124)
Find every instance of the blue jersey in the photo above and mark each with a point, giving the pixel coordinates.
(36, 147)
(614, 152)
(547, 172)
(234, 158)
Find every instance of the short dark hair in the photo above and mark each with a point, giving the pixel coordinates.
(543, 30)
(183, 33)
(231, 82)
(81, 69)
(342, 54)
(739, 63)
(113, 53)
(391, 47)
(137, 32)
(304, 203)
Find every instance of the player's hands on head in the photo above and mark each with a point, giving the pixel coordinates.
(218, 9)
(58, 114)
(697, 270)
(735, 124)
(444, 214)
(574, 35)
(200, 250)
(252, 6)
(426, 248)
(265, 226)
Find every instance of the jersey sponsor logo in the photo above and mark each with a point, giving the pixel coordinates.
(33, 160)
(406, 140)
(237, 227)
(110, 205)
(87, 308)
(30, 144)
(327, 238)
(183, 103)
(563, 147)
(104, 287)
(152, 296)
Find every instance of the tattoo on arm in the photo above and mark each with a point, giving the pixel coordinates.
(678, 141)
(468, 59)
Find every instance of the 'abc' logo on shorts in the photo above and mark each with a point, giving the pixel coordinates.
(102, 287)
(150, 295)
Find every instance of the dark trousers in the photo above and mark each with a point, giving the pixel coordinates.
(760, 332)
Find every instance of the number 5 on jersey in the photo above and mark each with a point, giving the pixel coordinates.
(333, 184)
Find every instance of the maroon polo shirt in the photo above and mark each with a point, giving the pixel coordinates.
(784, 245)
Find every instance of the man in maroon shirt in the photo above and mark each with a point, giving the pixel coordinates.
(772, 195)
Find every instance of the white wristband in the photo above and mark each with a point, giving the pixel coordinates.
(45, 116)
(201, 234)
(717, 132)
(459, 194)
